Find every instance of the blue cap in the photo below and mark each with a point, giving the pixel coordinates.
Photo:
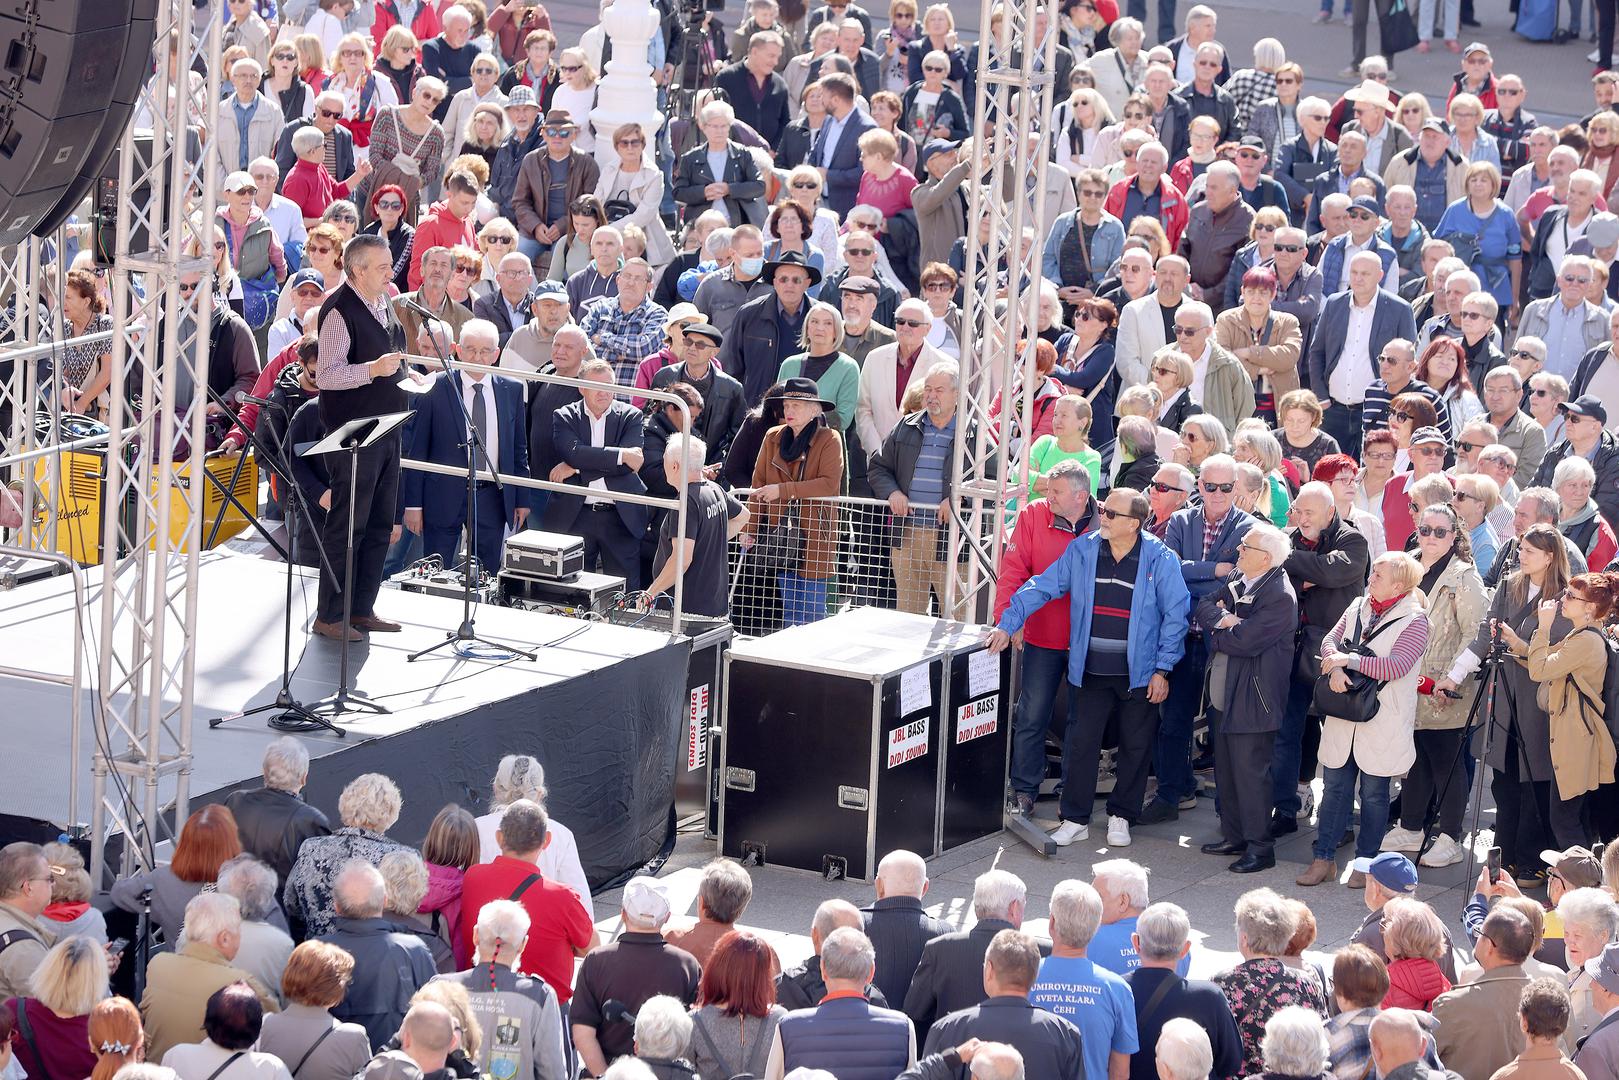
(1392, 870)
(1367, 203)
(307, 276)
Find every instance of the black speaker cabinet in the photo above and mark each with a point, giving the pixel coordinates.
(859, 734)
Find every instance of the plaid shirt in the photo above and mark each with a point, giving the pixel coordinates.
(1248, 88)
(1211, 531)
(1349, 1042)
(623, 338)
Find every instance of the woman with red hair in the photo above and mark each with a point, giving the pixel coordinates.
(737, 1014)
(1443, 367)
(208, 841)
(386, 210)
(1341, 473)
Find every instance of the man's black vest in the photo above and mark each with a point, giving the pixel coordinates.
(368, 339)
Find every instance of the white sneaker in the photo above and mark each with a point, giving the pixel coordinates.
(1594, 56)
(1398, 839)
(1445, 852)
(1118, 832)
(1070, 831)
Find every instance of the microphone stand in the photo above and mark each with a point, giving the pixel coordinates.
(464, 638)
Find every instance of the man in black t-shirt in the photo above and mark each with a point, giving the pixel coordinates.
(713, 516)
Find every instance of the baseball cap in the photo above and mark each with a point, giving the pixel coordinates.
(1425, 435)
(1603, 231)
(860, 284)
(1477, 46)
(1578, 866)
(1366, 203)
(1604, 969)
(549, 290)
(238, 181)
(646, 900)
(1251, 142)
(1433, 123)
(931, 147)
(1392, 870)
(307, 276)
(1586, 405)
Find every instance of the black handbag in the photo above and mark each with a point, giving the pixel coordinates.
(779, 548)
(1358, 703)
(1396, 29)
(619, 206)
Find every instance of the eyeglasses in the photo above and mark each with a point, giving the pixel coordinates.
(1470, 315)
(318, 249)
(1292, 249)
(1574, 279)
(911, 322)
(1429, 451)
(1210, 489)
(390, 204)
(331, 115)
(1189, 331)
(1385, 458)
(247, 191)
(569, 68)
(431, 98)
(1462, 496)
(351, 52)
(1164, 371)
(1401, 416)
(1250, 155)
(937, 286)
(1113, 515)
(1441, 531)
(349, 219)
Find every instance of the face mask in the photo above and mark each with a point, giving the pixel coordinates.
(751, 267)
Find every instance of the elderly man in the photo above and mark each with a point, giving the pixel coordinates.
(1042, 530)
(724, 408)
(25, 893)
(433, 294)
(328, 111)
(950, 975)
(273, 820)
(389, 966)
(723, 293)
(599, 449)
(1598, 1053)
(1351, 167)
(506, 306)
(804, 986)
(1163, 938)
(1183, 1051)
(720, 174)
(1572, 327)
(941, 200)
(1221, 386)
(598, 277)
(541, 219)
(522, 114)
(896, 925)
(1129, 606)
(1151, 193)
(249, 122)
(768, 328)
(844, 1033)
(1205, 537)
(755, 90)
(1598, 370)
(1585, 422)
(1362, 236)
(427, 1036)
(1122, 885)
(1431, 169)
(974, 1058)
(713, 518)
(1248, 684)
(1536, 506)
(1203, 94)
(911, 471)
(1145, 325)
(1478, 1029)
(521, 1010)
(1396, 375)
(1351, 334)
(722, 896)
(280, 211)
(1502, 395)
(529, 347)
(638, 966)
(1399, 1045)
(1299, 288)
(627, 328)
(308, 183)
(1219, 225)
(1095, 1000)
(1385, 877)
(569, 351)
(179, 984)
(1172, 485)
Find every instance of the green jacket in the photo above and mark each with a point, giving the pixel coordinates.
(840, 385)
(1228, 392)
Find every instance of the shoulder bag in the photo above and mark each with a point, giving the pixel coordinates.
(26, 1029)
(1358, 704)
(620, 206)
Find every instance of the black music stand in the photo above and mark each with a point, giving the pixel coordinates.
(351, 438)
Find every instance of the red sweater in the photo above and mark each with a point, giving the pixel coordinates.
(1036, 543)
(310, 186)
(560, 924)
(439, 228)
(1173, 213)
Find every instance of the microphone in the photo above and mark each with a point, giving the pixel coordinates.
(263, 403)
(613, 1009)
(418, 309)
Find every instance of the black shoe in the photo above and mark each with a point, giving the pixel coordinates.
(1223, 847)
(1347, 838)
(1204, 762)
(1282, 824)
(1252, 864)
(1471, 22)
(1159, 811)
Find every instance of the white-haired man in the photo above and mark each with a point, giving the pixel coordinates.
(950, 975)
(249, 122)
(896, 925)
(179, 984)
(974, 1058)
(1183, 1051)
(1569, 324)
(519, 1013)
(388, 966)
(436, 505)
(1163, 939)
(273, 821)
(1123, 887)
(1071, 985)
(265, 946)
(713, 517)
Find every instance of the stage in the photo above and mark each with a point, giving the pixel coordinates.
(602, 707)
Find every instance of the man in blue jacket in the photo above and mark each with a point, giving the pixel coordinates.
(1129, 606)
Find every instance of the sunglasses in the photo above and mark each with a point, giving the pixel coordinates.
(1440, 531)
(285, 56)
(1429, 451)
(1522, 354)
(937, 286)
(567, 68)
(1265, 228)
(1188, 331)
(911, 323)
(805, 185)
(1464, 495)
(935, 69)
(315, 249)
(466, 269)
(632, 142)
(1287, 82)
(1129, 153)
(247, 191)
(351, 52)
(431, 98)
(330, 115)
(348, 218)
(1470, 315)
(1165, 489)
(219, 245)
(1224, 489)
(503, 240)
(1574, 279)
(1163, 371)
(390, 204)
(1093, 193)
(1128, 115)
(187, 290)
(1290, 248)
(1113, 515)
(558, 132)
(1469, 447)
(1540, 393)
(1385, 358)
(1084, 315)
(860, 251)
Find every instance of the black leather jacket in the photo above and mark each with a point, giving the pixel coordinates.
(273, 824)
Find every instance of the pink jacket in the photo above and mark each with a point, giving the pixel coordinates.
(444, 896)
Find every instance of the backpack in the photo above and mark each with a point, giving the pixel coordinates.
(1610, 686)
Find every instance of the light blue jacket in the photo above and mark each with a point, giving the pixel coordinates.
(1159, 607)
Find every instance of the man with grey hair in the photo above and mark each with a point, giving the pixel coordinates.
(179, 984)
(950, 975)
(1220, 224)
(628, 328)
(249, 122)
(973, 1059)
(1122, 885)
(1074, 987)
(274, 821)
(722, 896)
(329, 108)
(1571, 326)
(1502, 395)
(388, 966)
(506, 306)
(895, 923)
(1163, 940)
(713, 517)
(844, 1034)
(804, 986)
(1248, 680)
(436, 505)
(1183, 1051)
(265, 946)
(25, 893)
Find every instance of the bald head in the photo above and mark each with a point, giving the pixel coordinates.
(997, 1061)
(1397, 1039)
(427, 1035)
(360, 891)
(902, 873)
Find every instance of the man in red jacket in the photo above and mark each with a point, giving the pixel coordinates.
(448, 223)
(1043, 530)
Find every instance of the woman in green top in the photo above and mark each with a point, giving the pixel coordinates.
(1258, 447)
(837, 377)
(1069, 439)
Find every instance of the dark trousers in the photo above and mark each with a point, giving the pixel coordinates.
(1172, 754)
(1287, 755)
(1530, 818)
(1241, 762)
(1137, 9)
(375, 495)
(1357, 31)
(1044, 671)
(1438, 774)
(1343, 422)
(1090, 707)
(444, 537)
(605, 534)
(1605, 21)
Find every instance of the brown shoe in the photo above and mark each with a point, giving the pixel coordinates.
(335, 631)
(1318, 871)
(1357, 880)
(376, 625)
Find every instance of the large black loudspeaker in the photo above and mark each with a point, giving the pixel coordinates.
(70, 72)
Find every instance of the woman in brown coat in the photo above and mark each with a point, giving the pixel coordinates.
(799, 471)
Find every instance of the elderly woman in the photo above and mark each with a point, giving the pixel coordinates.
(368, 807)
(1183, 1051)
(1275, 119)
(1081, 247)
(938, 34)
(305, 1035)
(789, 227)
(1414, 939)
(663, 1039)
(61, 992)
(1477, 498)
(938, 284)
(1360, 982)
(1299, 433)
(1249, 87)
(1495, 241)
(519, 776)
(484, 132)
(736, 1014)
(1120, 70)
(1266, 341)
(1590, 919)
(930, 109)
(636, 178)
(1380, 636)
(798, 471)
(1078, 123)
(1262, 985)
(1172, 373)
(1257, 446)
(1248, 687)
(1579, 520)
(409, 145)
(208, 840)
(1412, 110)
(1200, 436)
(836, 376)
(85, 370)
(1135, 453)
(1046, 392)
(405, 875)
(1294, 1046)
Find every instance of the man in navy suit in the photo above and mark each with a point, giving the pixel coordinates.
(1350, 335)
(836, 152)
(507, 306)
(435, 504)
(599, 443)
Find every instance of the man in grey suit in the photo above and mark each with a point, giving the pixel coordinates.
(1350, 335)
(950, 975)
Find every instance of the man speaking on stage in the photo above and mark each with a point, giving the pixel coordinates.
(361, 349)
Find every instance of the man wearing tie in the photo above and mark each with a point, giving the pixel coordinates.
(435, 504)
(836, 152)
(599, 443)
